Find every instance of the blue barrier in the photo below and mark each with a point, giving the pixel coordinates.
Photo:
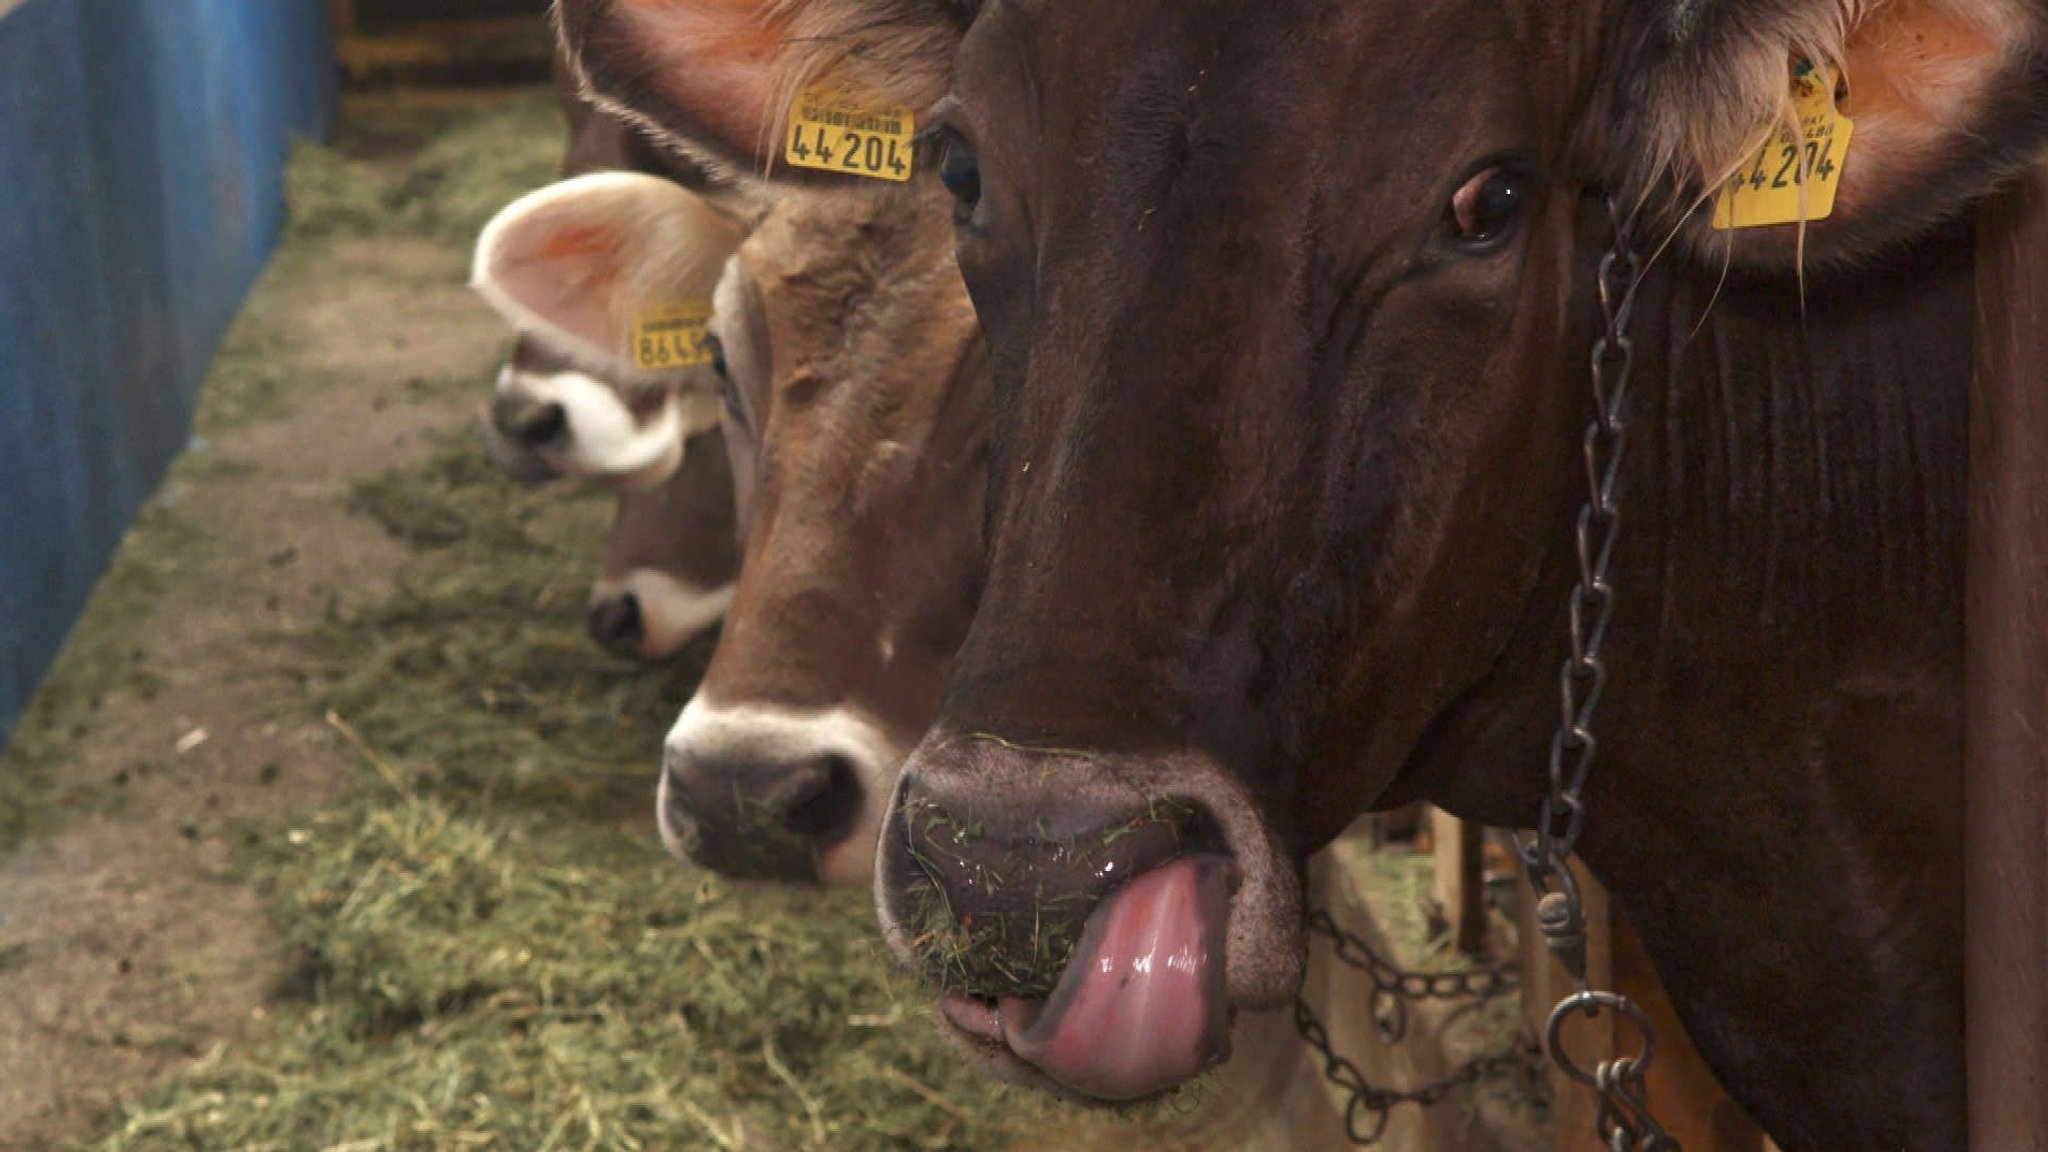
(142, 148)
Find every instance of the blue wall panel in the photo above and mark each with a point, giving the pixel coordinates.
(142, 147)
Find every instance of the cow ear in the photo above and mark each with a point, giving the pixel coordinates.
(718, 76)
(578, 262)
(1946, 100)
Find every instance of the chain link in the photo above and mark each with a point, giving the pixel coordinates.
(1368, 1108)
(1622, 1120)
(1393, 989)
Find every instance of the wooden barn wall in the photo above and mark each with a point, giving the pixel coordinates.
(142, 145)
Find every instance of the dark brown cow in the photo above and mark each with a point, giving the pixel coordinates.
(1289, 307)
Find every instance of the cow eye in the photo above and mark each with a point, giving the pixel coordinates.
(960, 172)
(1485, 207)
(718, 359)
(728, 391)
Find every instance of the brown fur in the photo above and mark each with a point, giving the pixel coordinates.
(859, 376)
(682, 527)
(862, 390)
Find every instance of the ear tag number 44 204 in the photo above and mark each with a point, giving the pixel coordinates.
(1792, 178)
(832, 130)
(672, 336)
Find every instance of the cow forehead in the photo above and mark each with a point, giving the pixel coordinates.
(856, 294)
(1347, 94)
(1297, 45)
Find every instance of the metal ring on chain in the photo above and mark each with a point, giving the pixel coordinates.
(1589, 1003)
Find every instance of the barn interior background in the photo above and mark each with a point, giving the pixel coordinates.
(328, 829)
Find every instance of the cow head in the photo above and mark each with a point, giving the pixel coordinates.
(856, 388)
(1276, 298)
(671, 559)
(574, 268)
(855, 414)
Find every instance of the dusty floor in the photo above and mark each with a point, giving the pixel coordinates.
(123, 946)
(126, 947)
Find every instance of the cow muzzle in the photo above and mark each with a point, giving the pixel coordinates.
(761, 793)
(650, 615)
(1094, 924)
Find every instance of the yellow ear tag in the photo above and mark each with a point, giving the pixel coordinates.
(1792, 178)
(832, 130)
(672, 336)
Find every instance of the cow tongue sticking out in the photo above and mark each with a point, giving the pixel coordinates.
(1141, 1006)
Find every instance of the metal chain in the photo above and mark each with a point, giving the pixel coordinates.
(1368, 1108)
(1622, 1121)
(1393, 989)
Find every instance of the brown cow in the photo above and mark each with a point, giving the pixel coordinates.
(572, 401)
(855, 405)
(562, 408)
(1290, 307)
(856, 416)
(671, 557)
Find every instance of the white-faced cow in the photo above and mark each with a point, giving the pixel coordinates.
(564, 410)
(855, 403)
(575, 401)
(672, 558)
(1290, 306)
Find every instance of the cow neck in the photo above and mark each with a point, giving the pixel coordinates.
(1775, 804)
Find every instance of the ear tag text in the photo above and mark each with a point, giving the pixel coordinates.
(672, 336)
(1792, 178)
(831, 130)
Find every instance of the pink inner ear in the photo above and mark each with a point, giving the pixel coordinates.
(565, 270)
(1921, 77)
(715, 62)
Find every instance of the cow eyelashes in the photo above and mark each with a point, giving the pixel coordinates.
(960, 172)
(728, 392)
(1486, 206)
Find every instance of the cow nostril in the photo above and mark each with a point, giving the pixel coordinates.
(547, 426)
(528, 422)
(760, 817)
(821, 801)
(616, 624)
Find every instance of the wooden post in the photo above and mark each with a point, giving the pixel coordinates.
(2005, 779)
(1460, 882)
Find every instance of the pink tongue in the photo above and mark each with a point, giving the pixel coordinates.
(1141, 1006)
